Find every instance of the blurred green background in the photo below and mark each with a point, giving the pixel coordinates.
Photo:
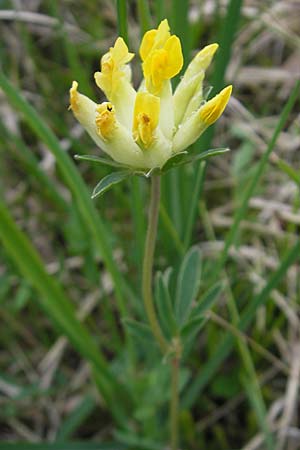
(70, 268)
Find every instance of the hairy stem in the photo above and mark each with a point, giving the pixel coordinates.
(175, 364)
(148, 263)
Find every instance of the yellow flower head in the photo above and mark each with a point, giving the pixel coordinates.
(143, 129)
(161, 55)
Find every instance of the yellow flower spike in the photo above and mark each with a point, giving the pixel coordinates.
(145, 118)
(105, 120)
(213, 109)
(144, 130)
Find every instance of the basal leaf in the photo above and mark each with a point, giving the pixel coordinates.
(185, 158)
(207, 300)
(187, 284)
(108, 181)
(100, 160)
(138, 329)
(164, 305)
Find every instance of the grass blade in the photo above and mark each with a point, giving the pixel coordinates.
(144, 15)
(122, 19)
(77, 416)
(73, 179)
(225, 39)
(54, 302)
(62, 446)
(247, 316)
(241, 211)
(23, 154)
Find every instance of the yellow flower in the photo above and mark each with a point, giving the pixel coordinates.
(143, 129)
(161, 55)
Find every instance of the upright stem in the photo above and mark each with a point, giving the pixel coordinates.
(150, 308)
(148, 262)
(175, 364)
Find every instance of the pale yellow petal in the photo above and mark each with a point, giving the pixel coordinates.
(119, 52)
(187, 99)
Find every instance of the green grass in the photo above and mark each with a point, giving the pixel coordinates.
(77, 381)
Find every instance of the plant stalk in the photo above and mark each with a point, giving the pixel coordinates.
(175, 365)
(148, 263)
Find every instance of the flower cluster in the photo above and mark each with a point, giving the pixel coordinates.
(143, 129)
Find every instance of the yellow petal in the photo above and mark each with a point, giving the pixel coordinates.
(147, 43)
(120, 54)
(163, 33)
(84, 109)
(162, 57)
(105, 120)
(175, 58)
(145, 118)
(112, 68)
(213, 109)
(154, 39)
(74, 97)
(205, 55)
(159, 63)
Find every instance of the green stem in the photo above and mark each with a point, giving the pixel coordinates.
(148, 263)
(175, 364)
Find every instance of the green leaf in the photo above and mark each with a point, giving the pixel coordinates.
(187, 284)
(207, 300)
(192, 328)
(108, 181)
(164, 305)
(189, 333)
(138, 330)
(100, 160)
(185, 158)
(226, 385)
(174, 161)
